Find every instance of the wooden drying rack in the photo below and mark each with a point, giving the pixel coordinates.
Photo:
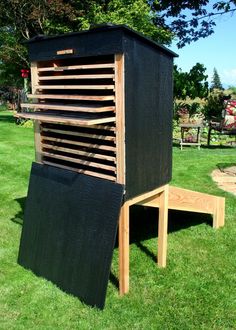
(78, 115)
(89, 138)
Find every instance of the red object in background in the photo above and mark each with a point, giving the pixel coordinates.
(24, 73)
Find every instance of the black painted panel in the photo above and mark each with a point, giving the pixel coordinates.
(148, 117)
(88, 44)
(69, 230)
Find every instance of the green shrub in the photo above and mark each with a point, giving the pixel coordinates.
(214, 104)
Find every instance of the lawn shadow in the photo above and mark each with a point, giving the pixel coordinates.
(7, 118)
(19, 217)
(221, 146)
(144, 224)
(222, 166)
(114, 280)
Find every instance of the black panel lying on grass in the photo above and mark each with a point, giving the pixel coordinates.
(69, 230)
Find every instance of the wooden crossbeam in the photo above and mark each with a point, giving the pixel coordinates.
(192, 201)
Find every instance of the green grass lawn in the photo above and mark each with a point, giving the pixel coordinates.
(197, 290)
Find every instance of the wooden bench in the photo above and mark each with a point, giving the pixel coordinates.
(227, 125)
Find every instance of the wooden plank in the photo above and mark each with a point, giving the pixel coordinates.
(37, 142)
(192, 201)
(76, 67)
(79, 143)
(219, 214)
(88, 87)
(80, 161)
(72, 97)
(163, 227)
(98, 127)
(124, 250)
(77, 76)
(79, 152)
(186, 200)
(80, 134)
(120, 117)
(63, 107)
(37, 132)
(65, 120)
(95, 174)
(143, 199)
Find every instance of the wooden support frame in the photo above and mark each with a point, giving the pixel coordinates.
(193, 201)
(37, 129)
(162, 193)
(165, 197)
(120, 117)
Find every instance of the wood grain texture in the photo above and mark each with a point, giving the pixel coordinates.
(82, 76)
(163, 227)
(85, 162)
(88, 87)
(79, 143)
(219, 213)
(76, 67)
(120, 117)
(37, 141)
(192, 201)
(72, 97)
(80, 170)
(78, 152)
(65, 120)
(66, 107)
(124, 250)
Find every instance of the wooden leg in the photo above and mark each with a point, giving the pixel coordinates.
(124, 250)
(219, 214)
(199, 137)
(209, 136)
(162, 228)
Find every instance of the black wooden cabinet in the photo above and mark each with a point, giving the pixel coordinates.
(102, 106)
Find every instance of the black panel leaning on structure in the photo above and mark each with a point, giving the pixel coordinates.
(69, 230)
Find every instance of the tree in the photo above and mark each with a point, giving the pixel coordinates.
(190, 84)
(191, 20)
(216, 83)
(160, 20)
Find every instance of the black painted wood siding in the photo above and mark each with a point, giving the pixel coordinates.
(148, 117)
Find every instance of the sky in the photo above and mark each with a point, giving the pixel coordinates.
(216, 51)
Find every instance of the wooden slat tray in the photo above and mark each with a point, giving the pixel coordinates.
(64, 107)
(88, 87)
(88, 154)
(77, 67)
(65, 120)
(88, 172)
(99, 146)
(80, 134)
(80, 161)
(84, 76)
(72, 97)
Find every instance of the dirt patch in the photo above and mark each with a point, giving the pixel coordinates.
(226, 179)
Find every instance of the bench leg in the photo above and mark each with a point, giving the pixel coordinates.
(209, 136)
(162, 228)
(124, 250)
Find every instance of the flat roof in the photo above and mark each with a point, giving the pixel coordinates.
(107, 27)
